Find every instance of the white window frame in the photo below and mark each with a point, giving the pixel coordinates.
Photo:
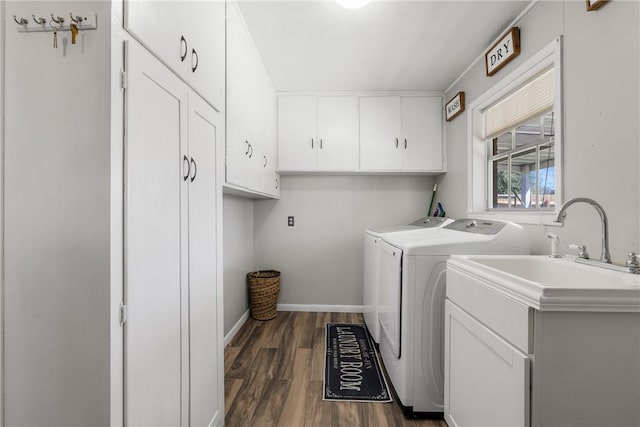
(478, 181)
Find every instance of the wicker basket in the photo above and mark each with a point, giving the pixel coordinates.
(264, 288)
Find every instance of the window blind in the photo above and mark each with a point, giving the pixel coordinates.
(529, 101)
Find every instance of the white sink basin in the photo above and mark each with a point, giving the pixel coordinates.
(553, 283)
(558, 272)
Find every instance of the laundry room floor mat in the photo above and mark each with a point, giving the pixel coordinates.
(351, 368)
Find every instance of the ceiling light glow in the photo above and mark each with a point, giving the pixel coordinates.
(353, 4)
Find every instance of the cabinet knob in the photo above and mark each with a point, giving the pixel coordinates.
(195, 169)
(248, 145)
(194, 55)
(311, 142)
(277, 183)
(405, 143)
(250, 151)
(265, 161)
(321, 143)
(183, 48)
(396, 142)
(186, 168)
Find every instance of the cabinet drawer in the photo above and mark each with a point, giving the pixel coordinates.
(506, 317)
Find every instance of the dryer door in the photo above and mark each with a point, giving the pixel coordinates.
(390, 296)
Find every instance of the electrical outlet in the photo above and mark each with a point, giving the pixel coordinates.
(290, 221)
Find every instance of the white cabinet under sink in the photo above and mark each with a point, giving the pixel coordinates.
(518, 359)
(487, 377)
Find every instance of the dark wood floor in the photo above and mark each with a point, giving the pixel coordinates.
(273, 377)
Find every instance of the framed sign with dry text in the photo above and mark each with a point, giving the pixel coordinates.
(595, 4)
(501, 53)
(454, 107)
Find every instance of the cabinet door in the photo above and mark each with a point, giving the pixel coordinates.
(421, 133)
(239, 94)
(155, 337)
(337, 133)
(204, 331)
(244, 115)
(297, 142)
(486, 379)
(205, 63)
(254, 118)
(173, 30)
(155, 25)
(380, 133)
(269, 149)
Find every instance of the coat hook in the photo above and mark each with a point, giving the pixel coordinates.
(58, 20)
(77, 19)
(22, 21)
(39, 21)
(55, 28)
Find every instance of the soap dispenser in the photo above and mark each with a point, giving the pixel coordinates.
(555, 241)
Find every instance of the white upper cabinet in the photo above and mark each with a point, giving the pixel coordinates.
(270, 177)
(380, 128)
(401, 133)
(240, 82)
(297, 133)
(421, 133)
(318, 133)
(188, 37)
(251, 161)
(337, 133)
(360, 133)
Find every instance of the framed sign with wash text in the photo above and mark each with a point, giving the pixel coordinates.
(501, 53)
(454, 107)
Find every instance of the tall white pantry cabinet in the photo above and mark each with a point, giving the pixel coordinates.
(113, 168)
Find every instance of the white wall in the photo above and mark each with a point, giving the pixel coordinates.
(56, 222)
(601, 111)
(238, 256)
(321, 257)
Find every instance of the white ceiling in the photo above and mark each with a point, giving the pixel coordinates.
(420, 45)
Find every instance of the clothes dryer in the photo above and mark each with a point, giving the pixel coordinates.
(411, 302)
(372, 239)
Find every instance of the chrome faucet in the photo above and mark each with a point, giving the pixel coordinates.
(605, 256)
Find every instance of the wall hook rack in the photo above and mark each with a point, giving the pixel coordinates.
(21, 21)
(84, 22)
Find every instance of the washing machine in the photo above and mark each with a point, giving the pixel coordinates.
(372, 239)
(411, 302)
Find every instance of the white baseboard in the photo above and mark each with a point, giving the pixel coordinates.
(295, 307)
(232, 333)
(322, 308)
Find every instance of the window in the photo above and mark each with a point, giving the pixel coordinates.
(515, 143)
(520, 147)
